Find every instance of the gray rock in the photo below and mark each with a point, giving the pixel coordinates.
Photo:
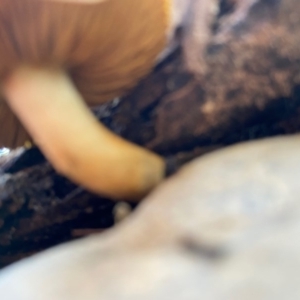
(225, 227)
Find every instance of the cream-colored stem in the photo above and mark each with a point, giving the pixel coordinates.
(78, 146)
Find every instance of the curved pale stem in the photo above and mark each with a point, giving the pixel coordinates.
(78, 146)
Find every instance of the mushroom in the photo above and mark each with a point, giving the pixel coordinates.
(57, 56)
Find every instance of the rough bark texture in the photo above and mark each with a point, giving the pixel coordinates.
(250, 90)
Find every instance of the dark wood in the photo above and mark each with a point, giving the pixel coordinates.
(250, 90)
(40, 208)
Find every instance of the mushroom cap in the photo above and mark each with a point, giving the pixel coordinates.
(105, 47)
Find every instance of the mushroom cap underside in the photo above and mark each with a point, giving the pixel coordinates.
(105, 47)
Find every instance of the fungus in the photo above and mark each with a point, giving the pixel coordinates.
(58, 56)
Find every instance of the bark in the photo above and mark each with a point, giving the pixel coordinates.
(250, 90)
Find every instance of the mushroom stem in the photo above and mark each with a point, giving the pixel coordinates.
(78, 146)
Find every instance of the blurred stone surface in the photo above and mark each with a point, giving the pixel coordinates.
(226, 226)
